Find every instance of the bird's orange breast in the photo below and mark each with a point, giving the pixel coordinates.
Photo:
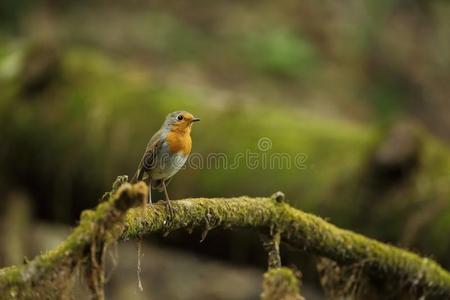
(179, 142)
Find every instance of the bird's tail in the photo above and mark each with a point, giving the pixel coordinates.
(134, 178)
(137, 176)
(139, 173)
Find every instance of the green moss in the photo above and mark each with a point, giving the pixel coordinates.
(281, 284)
(300, 229)
(50, 274)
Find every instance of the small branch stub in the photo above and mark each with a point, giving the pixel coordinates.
(278, 197)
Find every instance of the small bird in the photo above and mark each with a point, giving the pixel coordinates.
(166, 153)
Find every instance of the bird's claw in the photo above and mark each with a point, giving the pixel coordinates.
(170, 209)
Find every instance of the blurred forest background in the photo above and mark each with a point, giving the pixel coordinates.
(361, 88)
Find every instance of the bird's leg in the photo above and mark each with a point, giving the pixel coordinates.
(169, 206)
(150, 193)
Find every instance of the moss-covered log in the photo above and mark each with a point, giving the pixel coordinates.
(302, 230)
(50, 275)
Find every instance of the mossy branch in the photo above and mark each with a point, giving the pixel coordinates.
(49, 274)
(302, 230)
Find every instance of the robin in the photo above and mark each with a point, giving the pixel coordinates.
(166, 153)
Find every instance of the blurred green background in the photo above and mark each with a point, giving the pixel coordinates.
(360, 88)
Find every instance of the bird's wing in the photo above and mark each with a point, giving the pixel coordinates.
(148, 159)
(155, 141)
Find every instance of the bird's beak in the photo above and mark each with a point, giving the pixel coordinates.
(195, 120)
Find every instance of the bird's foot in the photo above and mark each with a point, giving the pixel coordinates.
(170, 208)
(149, 203)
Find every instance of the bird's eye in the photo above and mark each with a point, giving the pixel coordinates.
(180, 117)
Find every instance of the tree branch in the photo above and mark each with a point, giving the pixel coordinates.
(302, 230)
(49, 276)
(50, 273)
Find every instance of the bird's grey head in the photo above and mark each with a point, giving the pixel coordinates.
(178, 118)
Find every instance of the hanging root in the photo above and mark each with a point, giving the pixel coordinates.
(95, 267)
(339, 282)
(139, 270)
(279, 283)
(104, 233)
(272, 246)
